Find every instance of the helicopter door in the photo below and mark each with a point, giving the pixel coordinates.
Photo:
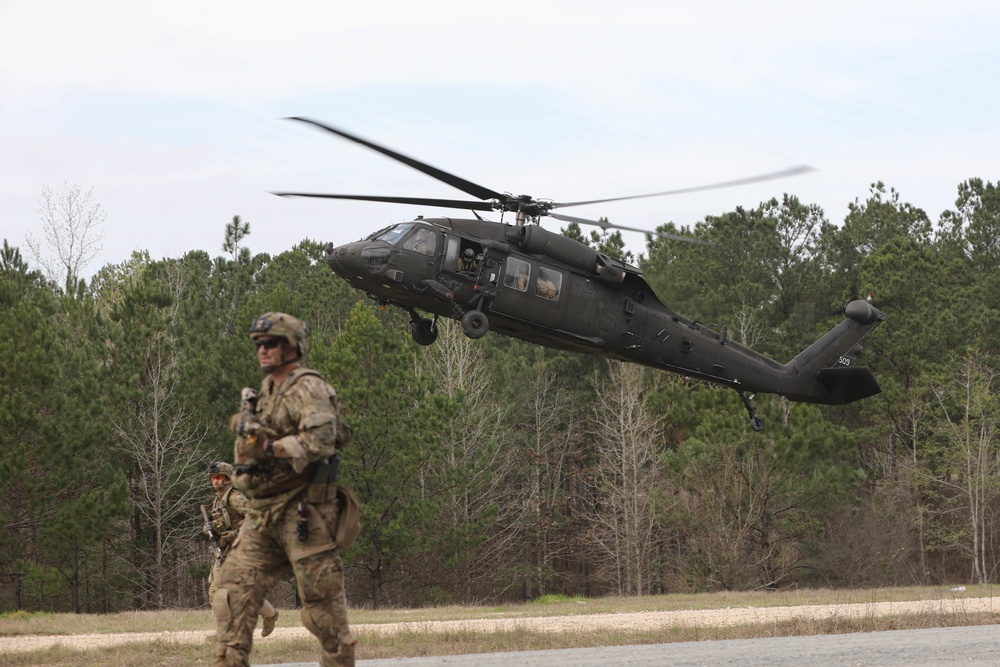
(462, 256)
(531, 292)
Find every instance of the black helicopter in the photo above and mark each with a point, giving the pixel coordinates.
(524, 281)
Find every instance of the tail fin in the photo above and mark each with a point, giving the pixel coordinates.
(822, 373)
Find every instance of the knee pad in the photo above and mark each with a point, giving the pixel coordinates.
(323, 626)
(220, 606)
(309, 622)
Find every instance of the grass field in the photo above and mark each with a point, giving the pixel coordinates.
(423, 643)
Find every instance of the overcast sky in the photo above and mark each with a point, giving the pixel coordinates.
(172, 111)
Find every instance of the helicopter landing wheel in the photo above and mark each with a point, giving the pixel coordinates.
(475, 324)
(424, 331)
(757, 423)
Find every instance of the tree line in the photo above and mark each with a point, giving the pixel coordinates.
(495, 470)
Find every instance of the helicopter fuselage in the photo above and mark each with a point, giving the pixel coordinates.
(545, 288)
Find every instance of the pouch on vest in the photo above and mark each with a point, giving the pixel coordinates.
(322, 487)
(349, 518)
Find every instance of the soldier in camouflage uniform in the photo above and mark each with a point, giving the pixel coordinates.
(229, 507)
(286, 463)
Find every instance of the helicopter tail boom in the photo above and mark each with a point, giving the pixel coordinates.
(836, 380)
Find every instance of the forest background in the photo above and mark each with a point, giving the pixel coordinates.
(495, 470)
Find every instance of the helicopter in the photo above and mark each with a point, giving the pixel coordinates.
(524, 281)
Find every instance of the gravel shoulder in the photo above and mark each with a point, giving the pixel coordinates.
(651, 620)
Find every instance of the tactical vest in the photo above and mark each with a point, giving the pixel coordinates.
(275, 476)
(222, 520)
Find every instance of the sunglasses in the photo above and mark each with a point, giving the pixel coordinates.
(216, 478)
(267, 343)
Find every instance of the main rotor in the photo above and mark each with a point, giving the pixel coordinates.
(525, 207)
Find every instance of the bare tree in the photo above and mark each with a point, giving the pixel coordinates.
(164, 442)
(751, 327)
(72, 229)
(736, 494)
(972, 420)
(552, 443)
(478, 468)
(627, 477)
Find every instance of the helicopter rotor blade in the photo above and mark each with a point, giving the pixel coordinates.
(793, 171)
(421, 201)
(608, 225)
(465, 186)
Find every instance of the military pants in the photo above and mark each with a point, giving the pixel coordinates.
(262, 556)
(267, 610)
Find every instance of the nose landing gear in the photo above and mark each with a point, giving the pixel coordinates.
(423, 329)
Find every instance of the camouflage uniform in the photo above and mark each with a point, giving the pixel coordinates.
(293, 510)
(229, 507)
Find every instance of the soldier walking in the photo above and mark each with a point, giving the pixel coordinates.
(229, 508)
(298, 518)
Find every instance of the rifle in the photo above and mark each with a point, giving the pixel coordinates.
(248, 418)
(248, 429)
(212, 533)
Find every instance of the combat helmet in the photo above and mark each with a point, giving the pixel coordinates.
(281, 325)
(220, 468)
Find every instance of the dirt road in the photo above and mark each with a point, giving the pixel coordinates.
(629, 621)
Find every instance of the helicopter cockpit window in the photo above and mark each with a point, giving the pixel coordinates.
(549, 284)
(393, 234)
(423, 241)
(516, 274)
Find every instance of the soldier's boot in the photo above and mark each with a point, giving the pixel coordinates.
(344, 657)
(226, 656)
(269, 621)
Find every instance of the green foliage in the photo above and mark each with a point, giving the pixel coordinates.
(750, 501)
(478, 461)
(395, 422)
(64, 492)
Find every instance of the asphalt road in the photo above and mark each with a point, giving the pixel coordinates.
(966, 646)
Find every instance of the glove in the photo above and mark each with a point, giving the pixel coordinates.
(250, 430)
(251, 450)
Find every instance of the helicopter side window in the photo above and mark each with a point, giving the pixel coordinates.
(516, 274)
(549, 284)
(423, 241)
(394, 234)
(451, 253)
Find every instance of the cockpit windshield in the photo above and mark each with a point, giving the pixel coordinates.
(392, 235)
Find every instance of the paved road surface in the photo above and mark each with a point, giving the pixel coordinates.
(966, 646)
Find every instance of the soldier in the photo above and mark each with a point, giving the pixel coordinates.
(467, 263)
(229, 507)
(298, 518)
